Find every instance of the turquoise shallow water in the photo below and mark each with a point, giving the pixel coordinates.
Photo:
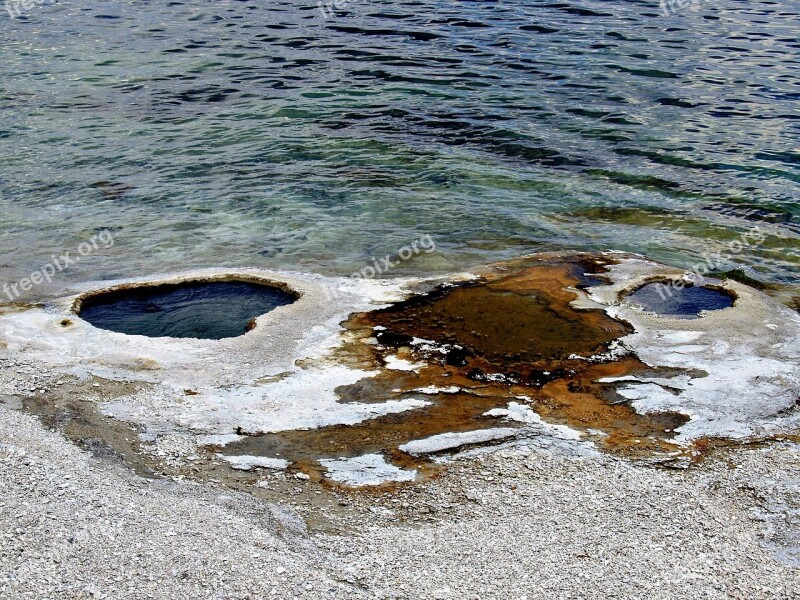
(216, 133)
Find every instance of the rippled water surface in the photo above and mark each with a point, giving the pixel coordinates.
(218, 133)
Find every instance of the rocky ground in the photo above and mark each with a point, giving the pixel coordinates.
(518, 522)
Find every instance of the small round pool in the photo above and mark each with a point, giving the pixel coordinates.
(686, 302)
(198, 309)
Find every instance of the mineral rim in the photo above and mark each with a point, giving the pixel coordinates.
(366, 382)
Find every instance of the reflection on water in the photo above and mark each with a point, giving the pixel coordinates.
(207, 133)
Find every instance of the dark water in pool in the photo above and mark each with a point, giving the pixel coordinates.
(685, 302)
(218, 133)
(212, 310)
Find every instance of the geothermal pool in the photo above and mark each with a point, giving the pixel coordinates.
(196, 309)
(365, 382)
(687, 301)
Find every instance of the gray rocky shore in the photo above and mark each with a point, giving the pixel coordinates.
(514, 523)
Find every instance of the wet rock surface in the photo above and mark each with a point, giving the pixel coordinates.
(471, 349)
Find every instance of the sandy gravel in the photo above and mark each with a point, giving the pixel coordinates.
(513, 524)
(75, 527)
(541, 526)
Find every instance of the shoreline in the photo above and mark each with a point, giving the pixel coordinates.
(137, 511)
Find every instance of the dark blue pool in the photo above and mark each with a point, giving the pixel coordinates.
(206, 310)
(686, 302)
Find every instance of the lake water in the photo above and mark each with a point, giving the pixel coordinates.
(218, 133)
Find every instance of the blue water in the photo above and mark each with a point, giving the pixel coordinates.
(220, 133)
(684, 302)
(204, 310)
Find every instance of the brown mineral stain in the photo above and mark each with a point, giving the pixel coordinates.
(584, 404)
(518, 318)
(510, 336)
(11, 308)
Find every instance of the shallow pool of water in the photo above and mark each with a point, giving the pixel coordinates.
(686, 302)
(205, 310)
